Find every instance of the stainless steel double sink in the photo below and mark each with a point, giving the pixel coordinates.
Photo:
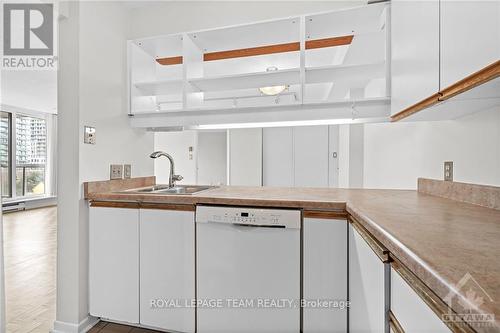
(166, 190)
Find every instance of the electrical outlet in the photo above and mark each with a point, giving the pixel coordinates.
(190, 150)
(127, 171)
(448, 171)
(115, 171)
(89, 135)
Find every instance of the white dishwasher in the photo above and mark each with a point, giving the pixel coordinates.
(247, 270)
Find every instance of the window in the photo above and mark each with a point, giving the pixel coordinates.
(5, 161)
(31, 155)
(24, 154)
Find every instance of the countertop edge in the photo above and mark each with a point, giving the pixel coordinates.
(414, 263)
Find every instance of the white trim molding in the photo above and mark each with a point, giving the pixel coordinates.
(84, 326)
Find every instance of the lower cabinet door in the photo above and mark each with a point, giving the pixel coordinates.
(325, 275)
(114, 263)
(410, 310)
(366, 286)
(167, 269)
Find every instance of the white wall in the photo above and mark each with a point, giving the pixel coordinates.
(396, 154)
(212, 158)
(177, 145)
(91, 91)
(103, 91)
(30, 89)
(159, 18)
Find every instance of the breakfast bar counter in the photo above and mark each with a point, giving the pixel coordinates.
(439, 240)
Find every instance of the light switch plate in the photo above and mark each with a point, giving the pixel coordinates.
(89, 135)
(127, 171)
(448, 171)
(115, 171)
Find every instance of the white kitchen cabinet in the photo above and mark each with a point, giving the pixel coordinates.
(245, 157)
(411, 311)
(167, 263)
(114, 263)
(366, 286)
(325, 273)
(311, 156)
(297, 156)
(277, 156)
(415, 51)
(470, 38)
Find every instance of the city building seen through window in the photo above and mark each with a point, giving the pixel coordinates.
(30, 152)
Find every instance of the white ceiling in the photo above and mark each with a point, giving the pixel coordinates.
(27, 89)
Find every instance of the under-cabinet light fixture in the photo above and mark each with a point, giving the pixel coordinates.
(317, 122)
(273, 90)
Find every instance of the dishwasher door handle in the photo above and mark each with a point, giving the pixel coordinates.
(243, 227)
(258, 226)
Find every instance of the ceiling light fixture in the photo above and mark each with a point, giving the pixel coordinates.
(273, 90)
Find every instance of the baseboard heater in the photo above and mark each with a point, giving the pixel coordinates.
(13, 207)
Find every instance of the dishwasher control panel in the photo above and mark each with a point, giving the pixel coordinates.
(264, 217)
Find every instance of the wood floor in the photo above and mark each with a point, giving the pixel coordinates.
(30, 247)
(104, 327)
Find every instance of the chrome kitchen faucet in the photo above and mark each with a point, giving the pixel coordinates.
(172, 178)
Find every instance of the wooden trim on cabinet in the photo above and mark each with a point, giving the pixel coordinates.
(423, 104)
(478, 78)
(484, 75)
(165, 206)
(115, 204)
(252, 51)
(262, 50)
(170, 61)
(434, 302)
(394, 324)
(373, 243)
(329, 42)
(333, 215)
(143, 205)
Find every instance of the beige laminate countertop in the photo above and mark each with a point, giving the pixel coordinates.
(438, 239)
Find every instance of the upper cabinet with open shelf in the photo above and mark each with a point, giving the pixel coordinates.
(354, 66)
(294, 63)
(154, 86)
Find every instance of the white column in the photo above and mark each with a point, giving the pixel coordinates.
(72, 229)
(2, 280)
(2, 275)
